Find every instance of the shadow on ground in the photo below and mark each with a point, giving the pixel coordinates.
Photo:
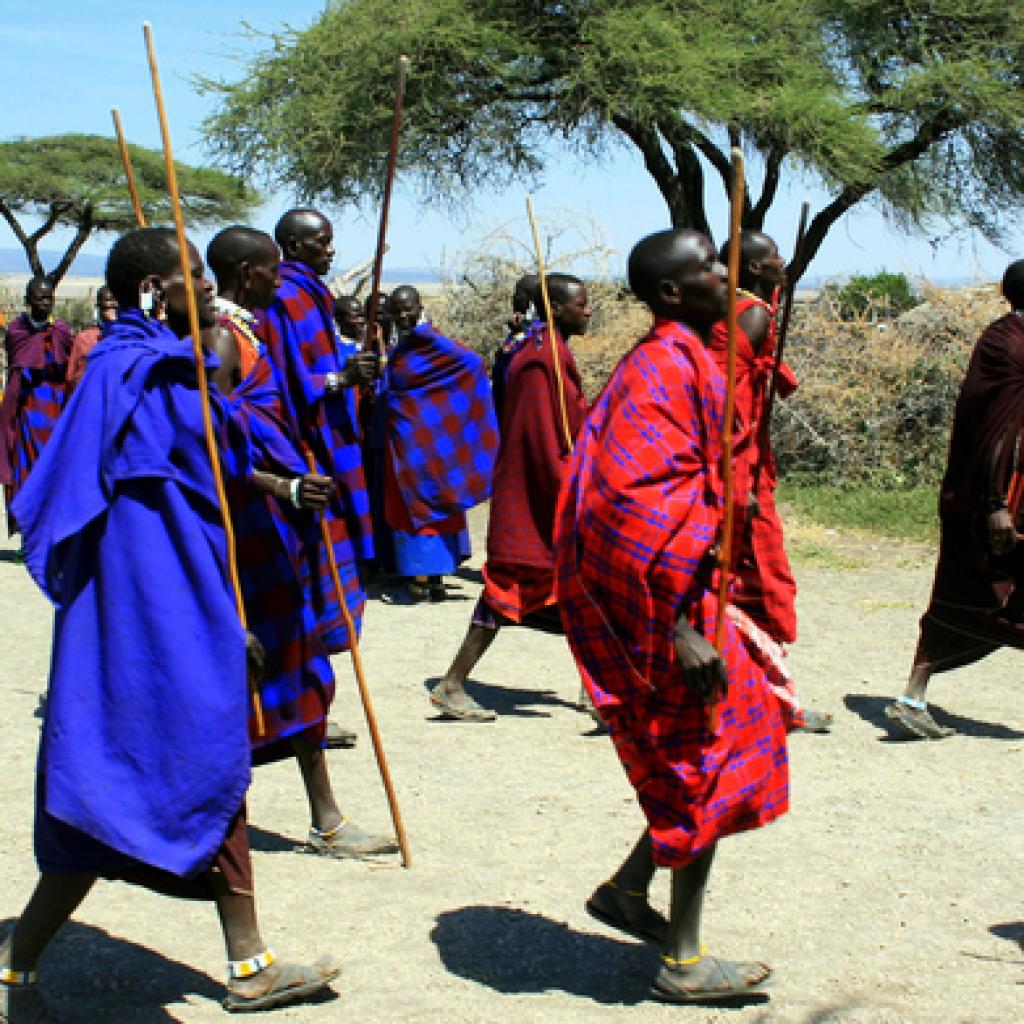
(1010, 930)
(271, 842)
(872, 710)
(507, 700)
(514, 951)
(89, 975)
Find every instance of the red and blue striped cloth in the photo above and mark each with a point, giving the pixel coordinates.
(639, 511)
(33, 399)
(440, 424)
(275, 546)
(303, 346)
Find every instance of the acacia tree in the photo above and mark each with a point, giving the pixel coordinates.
(917, 107)
(78, 181)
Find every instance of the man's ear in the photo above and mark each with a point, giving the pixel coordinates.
(669, 291)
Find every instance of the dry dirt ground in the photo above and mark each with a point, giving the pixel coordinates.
(890, 892)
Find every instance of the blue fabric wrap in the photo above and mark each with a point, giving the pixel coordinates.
(144, 748)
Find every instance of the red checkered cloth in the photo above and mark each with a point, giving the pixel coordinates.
(275, 544)
(304, 346)
(638, 515)
(764, 586)
(440, 425)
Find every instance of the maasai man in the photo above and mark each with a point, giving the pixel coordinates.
(638, 519)
(37, 348)
(85, 339)
(977, 600)
(278, 544)
(351, 320)
(144, 759)
(763, 585)
(303, 346)
(441, 442)
(535, 443)
(524, 306)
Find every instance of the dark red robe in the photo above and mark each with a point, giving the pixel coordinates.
(977, 601)
(519, 572)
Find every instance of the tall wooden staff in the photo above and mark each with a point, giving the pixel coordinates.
(401, 68)
(546, 302)
(725, 545)
(764, 426)
(364, 691)
(126, 159)
(197, 345)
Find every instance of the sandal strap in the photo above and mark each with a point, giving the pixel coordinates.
(238, 969)
(17, 978)
(917, 705)
(689, 961)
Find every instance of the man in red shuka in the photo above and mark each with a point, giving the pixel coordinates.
(763, 586)
(701, 733)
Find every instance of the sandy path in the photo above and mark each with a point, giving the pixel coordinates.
(890, 893)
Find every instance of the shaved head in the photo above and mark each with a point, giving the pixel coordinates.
(298, 224)
(236, 245)
(1013, 284)
(678, 275)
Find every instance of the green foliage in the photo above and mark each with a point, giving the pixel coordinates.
(925, 119)
(78, 181)
(882, 295)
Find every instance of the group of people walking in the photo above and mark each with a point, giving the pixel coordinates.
(605, 527)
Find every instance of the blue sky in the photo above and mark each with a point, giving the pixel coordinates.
(73, 60)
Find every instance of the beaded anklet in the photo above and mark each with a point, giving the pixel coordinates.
(238, 969)
(16, 978)
(917, 705)
(671, 961)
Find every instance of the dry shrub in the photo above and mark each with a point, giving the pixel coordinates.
(875, 400)
(876, 396)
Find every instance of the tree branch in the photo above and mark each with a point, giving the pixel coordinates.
(57, 210)
(906, 152)
(669, 183)
(27, 243)
(772, 176)
(82, 232)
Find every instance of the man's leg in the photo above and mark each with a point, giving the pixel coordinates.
(332, 833)
(449, 695)
(257, 981)
(687, 973)
(623, 901)
(55, 899)
(910, 711)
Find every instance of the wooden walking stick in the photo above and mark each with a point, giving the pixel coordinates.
(401, 69)
(126, 159)
(364, 691)
(546, 301)
(764, 426)
(725, 544)
(197, 348)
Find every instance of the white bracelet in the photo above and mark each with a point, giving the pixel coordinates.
(295, 487)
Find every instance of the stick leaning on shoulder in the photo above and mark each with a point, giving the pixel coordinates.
(197, 347)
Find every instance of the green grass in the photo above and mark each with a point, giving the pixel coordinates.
(903, 515)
